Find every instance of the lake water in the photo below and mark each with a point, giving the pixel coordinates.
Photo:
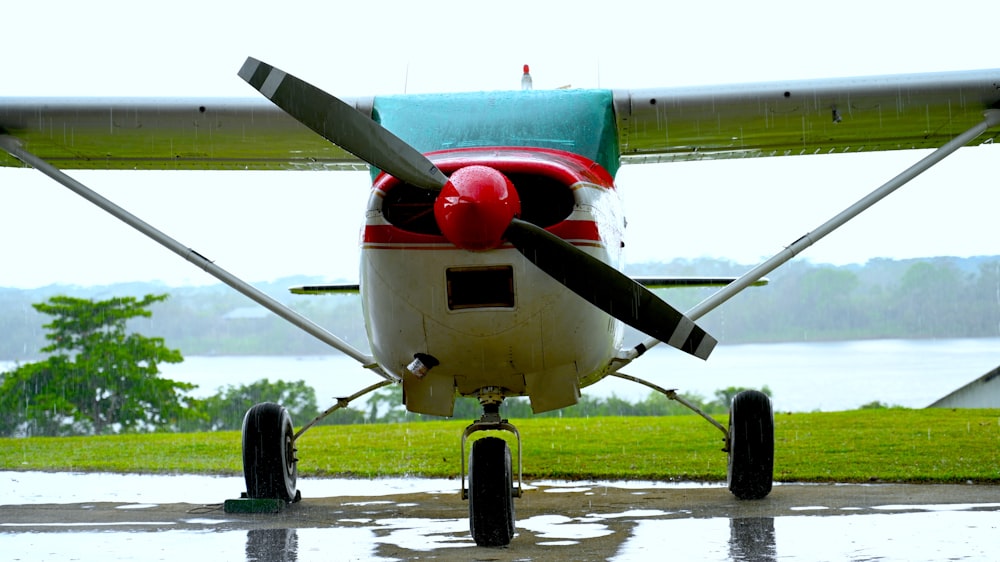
(803, 377)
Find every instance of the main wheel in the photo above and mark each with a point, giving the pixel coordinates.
(751, 445)
(491, 501)
(269, 463)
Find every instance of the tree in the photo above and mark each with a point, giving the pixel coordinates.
(929, 302)
(386, 405)
(724, 396)
(226, 409)
(99, 378)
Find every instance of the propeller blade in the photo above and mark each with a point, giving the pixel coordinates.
(608, 289)
(342, 125)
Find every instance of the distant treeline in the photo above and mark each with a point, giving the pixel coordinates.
(918, 298)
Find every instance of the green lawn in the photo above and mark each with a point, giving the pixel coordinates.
(857, 446)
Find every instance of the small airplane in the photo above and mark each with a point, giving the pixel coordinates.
(491, 252)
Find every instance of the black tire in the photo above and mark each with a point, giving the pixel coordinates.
(491, 501)
(751, 445)
(269, 464)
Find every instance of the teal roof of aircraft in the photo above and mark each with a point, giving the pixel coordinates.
(577, 121)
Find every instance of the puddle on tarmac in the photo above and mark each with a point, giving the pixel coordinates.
(261, 544)
(19, 488)
(562, 527)
(936, 535)
(424, 534)
(811, 531)
(930, 535)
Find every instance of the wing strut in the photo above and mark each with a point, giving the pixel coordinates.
(991, 119)
(13, 146)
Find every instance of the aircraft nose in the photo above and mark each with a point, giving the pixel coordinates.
(475, 207)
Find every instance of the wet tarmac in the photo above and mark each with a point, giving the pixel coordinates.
(59, 516)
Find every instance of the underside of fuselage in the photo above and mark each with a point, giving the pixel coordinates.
(489, 320)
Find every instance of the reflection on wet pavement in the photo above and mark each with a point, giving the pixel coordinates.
(407, 519)
(751, 539)
(955, 535)
(276, 545)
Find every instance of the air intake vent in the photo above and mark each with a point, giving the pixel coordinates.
(480, 287)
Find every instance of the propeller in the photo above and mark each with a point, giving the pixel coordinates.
(608, 289)
(343, 125)
(477, 209)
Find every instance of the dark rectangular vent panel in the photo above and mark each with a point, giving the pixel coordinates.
(481, 287)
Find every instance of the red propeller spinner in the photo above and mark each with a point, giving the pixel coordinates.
(475, 207)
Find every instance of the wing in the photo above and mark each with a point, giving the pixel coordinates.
(803, 117)
(172, 134)
(653, 125)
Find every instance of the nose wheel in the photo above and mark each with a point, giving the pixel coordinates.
(491, 490)
(491, 494)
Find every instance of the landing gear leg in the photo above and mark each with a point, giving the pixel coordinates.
(491, 489)
(270, 462)
(749, 439)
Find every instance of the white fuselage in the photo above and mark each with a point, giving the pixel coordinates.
(545, 342)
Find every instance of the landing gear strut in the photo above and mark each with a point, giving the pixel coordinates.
(749, 439)
(270, 464)
(491, 491)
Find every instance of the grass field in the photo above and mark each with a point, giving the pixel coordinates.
(889, 445)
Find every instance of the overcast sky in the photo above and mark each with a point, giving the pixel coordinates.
(267, 225)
